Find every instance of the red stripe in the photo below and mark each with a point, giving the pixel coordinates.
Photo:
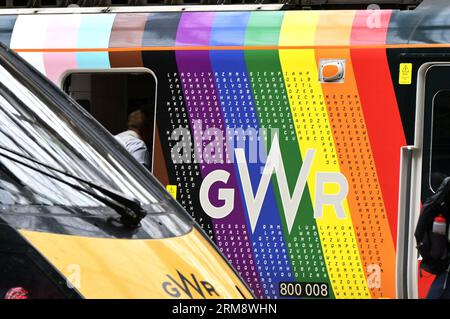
(380, 108)
(370, 27)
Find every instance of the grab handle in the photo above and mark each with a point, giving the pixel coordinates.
(406, 274)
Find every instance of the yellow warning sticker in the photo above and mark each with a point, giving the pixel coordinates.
(172, 189)
(405, 73)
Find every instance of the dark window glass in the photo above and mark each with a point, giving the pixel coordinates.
(440, 148)
(110, 97)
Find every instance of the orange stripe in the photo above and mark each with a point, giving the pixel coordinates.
(224, 48)
(356, 162)
(334, 29)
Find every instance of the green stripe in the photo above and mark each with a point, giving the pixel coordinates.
(263, 28)
(264, 68)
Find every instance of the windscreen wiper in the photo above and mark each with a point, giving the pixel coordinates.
(130, 210)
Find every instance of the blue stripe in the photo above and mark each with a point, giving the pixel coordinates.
(230, 69)
(94, 32)
(229, 28)
(234, 89)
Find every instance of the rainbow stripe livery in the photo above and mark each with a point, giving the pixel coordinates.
(258, 72)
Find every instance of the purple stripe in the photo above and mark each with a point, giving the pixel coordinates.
(194, 29)
(199, 91)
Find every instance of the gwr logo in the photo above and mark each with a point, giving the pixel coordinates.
(274, 165)
(175, 288)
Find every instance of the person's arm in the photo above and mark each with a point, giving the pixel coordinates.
(140, 153)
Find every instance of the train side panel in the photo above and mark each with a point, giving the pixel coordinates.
(294, 178)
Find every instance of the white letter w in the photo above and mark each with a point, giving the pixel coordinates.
(275, 164)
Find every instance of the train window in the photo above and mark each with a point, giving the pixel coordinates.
(20, 278)
(110, 96)
(440, 148)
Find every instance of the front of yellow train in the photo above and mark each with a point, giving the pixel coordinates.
(80, 218)
(185, 266)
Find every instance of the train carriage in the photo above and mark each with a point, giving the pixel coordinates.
(302, 141)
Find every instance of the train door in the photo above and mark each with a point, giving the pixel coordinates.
(424, 165)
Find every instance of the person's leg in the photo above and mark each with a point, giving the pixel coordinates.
(436, 290)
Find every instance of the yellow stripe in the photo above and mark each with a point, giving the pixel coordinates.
(298, 29)
(313, 131)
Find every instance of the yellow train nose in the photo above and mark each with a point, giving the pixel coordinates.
(180, 267)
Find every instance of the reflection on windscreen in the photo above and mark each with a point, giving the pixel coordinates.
(43, 135)
(31, 128)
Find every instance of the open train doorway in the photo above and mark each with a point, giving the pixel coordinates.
(111, 95)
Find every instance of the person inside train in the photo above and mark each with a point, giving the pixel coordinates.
(133, 139)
